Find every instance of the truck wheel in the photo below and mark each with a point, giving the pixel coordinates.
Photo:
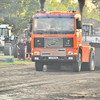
(90, 66)
(83, 67)
(77, 65)
(39, 66)
(7, 48)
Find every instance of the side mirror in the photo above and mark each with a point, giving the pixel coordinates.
(30, 29)
(12, 38)
(80, 24)
(29, 34)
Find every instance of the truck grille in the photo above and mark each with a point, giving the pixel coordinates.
(53, 52)
(53, 42)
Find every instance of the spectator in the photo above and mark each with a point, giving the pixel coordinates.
(28, 44)
(24, 40)
(21, 47)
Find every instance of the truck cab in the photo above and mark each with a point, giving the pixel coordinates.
(57, 40)
(5, 31)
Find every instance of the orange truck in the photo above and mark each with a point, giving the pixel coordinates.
(57, 41)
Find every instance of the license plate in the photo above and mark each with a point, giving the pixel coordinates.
(52, 57)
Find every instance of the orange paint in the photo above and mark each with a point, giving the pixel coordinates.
(48, 50)
(77, 38)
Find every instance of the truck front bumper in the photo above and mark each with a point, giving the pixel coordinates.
(54, 59)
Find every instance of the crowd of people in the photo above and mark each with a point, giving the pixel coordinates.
(21, 48)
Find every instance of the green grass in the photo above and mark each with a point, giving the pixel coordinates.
(17, 62)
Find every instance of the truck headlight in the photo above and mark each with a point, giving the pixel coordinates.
(70, 52)
(36, 53)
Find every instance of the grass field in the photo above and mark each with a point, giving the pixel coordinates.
(3, 60)
(16, 62)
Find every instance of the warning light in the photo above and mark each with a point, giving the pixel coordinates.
(93, 23)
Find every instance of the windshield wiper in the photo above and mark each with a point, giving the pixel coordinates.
(53, 32)
(39, 32)
(67, 32)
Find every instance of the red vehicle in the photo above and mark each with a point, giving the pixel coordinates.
(57, 40)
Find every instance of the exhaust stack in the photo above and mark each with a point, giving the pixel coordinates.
(81, 5)
(42, 4)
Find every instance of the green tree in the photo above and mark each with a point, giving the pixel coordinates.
(53, 5)
(18, 12)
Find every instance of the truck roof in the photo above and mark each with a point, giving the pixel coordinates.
(55, 14)
(5, 26)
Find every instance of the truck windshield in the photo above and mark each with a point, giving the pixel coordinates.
(54, 26)
(3, 31)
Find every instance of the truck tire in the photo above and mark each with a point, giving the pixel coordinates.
(38, 66)
(83, 67)
(6, 49)
(89, 66)
(77, 64)
(15, 51)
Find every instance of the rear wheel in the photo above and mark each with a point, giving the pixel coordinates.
(39, 66)
(84, 67)
(89, 66)
(7, 48)
(77, 65)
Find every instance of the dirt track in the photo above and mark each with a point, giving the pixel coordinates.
(22, 82)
